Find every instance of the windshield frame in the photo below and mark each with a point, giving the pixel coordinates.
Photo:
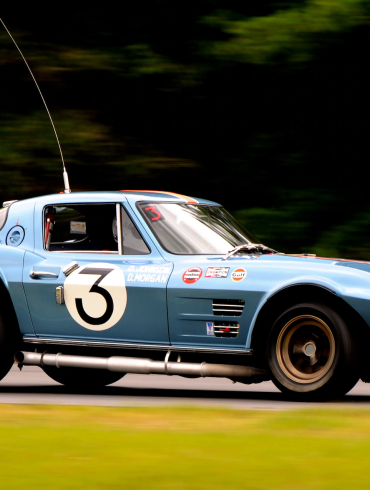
(142, 214)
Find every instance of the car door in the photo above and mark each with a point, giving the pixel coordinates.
(95, 260)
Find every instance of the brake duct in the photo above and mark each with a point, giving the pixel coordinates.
(144, 366)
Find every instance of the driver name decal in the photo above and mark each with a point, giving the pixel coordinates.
(149, 273)
(96, 296)
(192, 275)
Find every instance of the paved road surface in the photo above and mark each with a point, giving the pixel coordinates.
(34, 387)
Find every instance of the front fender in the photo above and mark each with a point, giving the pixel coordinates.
(353, 286)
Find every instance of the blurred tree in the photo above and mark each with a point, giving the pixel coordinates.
(261, 107)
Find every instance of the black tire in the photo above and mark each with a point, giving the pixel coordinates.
(8, 339)
(82, 378)
(312, 354)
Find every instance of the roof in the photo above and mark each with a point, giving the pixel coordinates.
(144, 195)
(114, 196)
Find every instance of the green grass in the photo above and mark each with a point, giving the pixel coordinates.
(182, 448)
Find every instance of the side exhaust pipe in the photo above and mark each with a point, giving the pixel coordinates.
(143, 366)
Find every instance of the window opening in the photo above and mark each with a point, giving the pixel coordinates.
(91, 228)
(132, 241)
(80, 228)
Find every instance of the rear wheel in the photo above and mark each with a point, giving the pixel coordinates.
(311, 353)
(82, 378)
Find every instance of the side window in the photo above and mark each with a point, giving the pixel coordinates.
(132, 241)
(91, 228)
(80, 228)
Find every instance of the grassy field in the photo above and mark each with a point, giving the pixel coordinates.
(182, 448)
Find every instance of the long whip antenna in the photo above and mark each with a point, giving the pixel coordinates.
(67, 188)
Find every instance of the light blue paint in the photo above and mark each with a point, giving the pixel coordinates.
(169, 310)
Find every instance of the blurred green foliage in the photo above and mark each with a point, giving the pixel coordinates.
(262, 107)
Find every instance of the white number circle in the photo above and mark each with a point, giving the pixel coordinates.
(96, 296)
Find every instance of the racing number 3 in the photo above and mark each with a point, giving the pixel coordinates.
(96, 289)
(155, 214)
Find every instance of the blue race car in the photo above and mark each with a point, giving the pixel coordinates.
(97, 285)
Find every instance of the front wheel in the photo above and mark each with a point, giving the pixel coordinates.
(81, 377)
(311, 353)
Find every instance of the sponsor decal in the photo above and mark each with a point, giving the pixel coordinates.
(15, 236)
(217, 272)
(148, 273)
(192, 275)
(238, 274)
(95, 295)
(210, 328)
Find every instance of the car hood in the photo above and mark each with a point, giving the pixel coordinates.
(297, 258)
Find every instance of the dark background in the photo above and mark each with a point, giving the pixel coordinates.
(262, 106)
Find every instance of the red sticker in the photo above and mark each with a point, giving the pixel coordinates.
(238, 275)
(152, 213)
(192, 275)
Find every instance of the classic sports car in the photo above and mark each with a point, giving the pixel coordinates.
(97, 285)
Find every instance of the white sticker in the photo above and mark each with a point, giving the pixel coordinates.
(238, 274)
(96, 296)
(210, 328)
(78, 227)
(217, 272)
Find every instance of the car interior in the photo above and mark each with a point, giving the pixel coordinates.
(90, 228)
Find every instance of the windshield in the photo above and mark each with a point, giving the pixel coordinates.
(194, 229)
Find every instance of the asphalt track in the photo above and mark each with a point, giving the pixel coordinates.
(32, 386)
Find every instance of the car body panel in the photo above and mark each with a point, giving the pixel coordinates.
(137, 324)
(190, 305)
(162, 308)
(11, 266)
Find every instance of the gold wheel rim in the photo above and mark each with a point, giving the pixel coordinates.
(305, 349)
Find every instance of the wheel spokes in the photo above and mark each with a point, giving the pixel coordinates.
(306, 348)
(298, 348)
(313, 359)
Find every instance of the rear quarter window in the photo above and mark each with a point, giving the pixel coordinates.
(3, 217)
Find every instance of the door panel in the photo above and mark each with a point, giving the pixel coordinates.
(144, 318)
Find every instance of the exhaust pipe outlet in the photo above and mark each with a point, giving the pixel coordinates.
(141, 366)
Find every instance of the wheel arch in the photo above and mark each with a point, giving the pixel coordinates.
(303, 293)
(7, 307)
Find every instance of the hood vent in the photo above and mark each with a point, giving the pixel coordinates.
(228, 307)
(226, 329)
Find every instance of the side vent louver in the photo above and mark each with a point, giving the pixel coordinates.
(226, 329)
(228, 307)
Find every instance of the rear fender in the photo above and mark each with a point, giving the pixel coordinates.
(11, 269)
